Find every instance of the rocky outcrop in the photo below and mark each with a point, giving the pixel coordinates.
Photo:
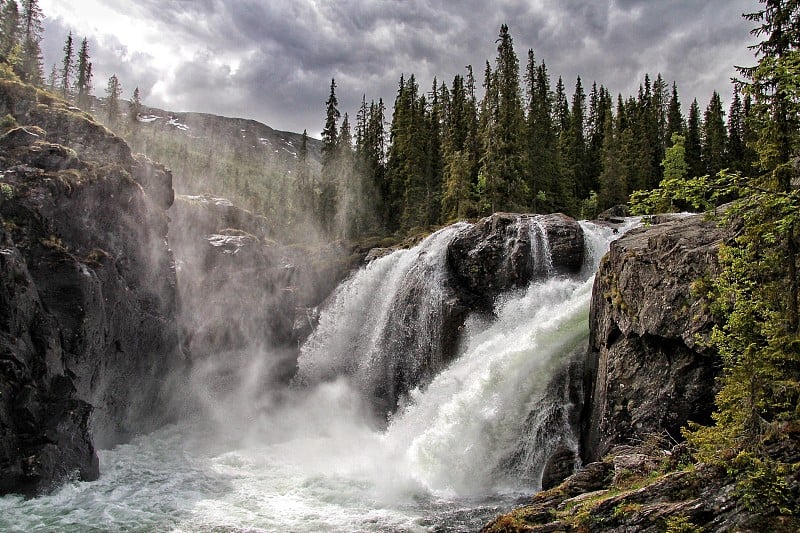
(648, 369)
(649, 489)
(88, 334)
(507, 251)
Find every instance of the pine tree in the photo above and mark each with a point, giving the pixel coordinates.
(30, 67)
(67, 67)
(83, 82)
(715, 139)
(9, 31)
(113, 92)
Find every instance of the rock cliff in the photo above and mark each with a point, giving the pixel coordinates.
(648, 369)
(88, 332)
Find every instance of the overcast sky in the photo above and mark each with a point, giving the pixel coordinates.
(272, 60)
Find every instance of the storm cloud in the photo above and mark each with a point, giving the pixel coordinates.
(272, 60)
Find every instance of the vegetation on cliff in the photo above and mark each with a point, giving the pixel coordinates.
(755, 298)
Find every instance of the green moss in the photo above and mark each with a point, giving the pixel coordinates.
(681, 524)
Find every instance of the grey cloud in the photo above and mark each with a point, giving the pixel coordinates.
(292, 48)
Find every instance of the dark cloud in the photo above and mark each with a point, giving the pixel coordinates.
(288, 50)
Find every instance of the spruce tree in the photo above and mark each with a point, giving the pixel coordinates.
(326, 206)
(715, 138)
(67, 67)
(30, 66)
(613, 179)
(675, 122)
(83, 81)
(735, 152)
(9, 31)
(135, 106)
(694, 141)
(575, 158)
(502, 166)
(330, 133)
(113, 92)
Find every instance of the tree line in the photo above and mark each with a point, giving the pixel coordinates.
(523, 146)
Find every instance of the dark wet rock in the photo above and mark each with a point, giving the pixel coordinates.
(88, 334)
(559, 466)
(506, 251)
(20, 137)
(648, 369)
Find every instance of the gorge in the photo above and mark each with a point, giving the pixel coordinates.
(168, 366)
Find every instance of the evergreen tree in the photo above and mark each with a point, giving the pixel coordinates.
(613, 179)
(330, 133)
(675, 122)
(735, 152)
(755, 296)
(502, 166)
(83, 82)
(9, 31)
(135, 106)
(326, 208)
(715, 138)
(30, 67)
(457, 186)
(113, 92)
(304, 193)
(52, 79)
(67, 67)
(575, 168)
(542, 140)
(694, 141)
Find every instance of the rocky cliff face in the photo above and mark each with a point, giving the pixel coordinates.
(648, 369)
(88, 331)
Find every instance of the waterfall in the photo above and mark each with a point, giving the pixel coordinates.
(384, 326)
(490, 419)
(476, 423)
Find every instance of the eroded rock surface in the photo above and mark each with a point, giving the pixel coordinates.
(648, 369)
(88, 334)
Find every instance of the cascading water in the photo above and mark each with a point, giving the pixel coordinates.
(384, 326)
(470, 435)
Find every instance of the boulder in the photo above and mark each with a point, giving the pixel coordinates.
(507, 251)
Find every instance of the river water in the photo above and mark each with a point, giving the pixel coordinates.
(312, 458)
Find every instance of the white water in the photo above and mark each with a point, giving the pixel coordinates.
(312, 459)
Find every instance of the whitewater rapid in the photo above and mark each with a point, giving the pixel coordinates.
(313, 458)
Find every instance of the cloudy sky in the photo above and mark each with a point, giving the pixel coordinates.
(272, 60)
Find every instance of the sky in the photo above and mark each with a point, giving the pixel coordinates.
(273, 60)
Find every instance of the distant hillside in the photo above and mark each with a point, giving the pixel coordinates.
(244, 160)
